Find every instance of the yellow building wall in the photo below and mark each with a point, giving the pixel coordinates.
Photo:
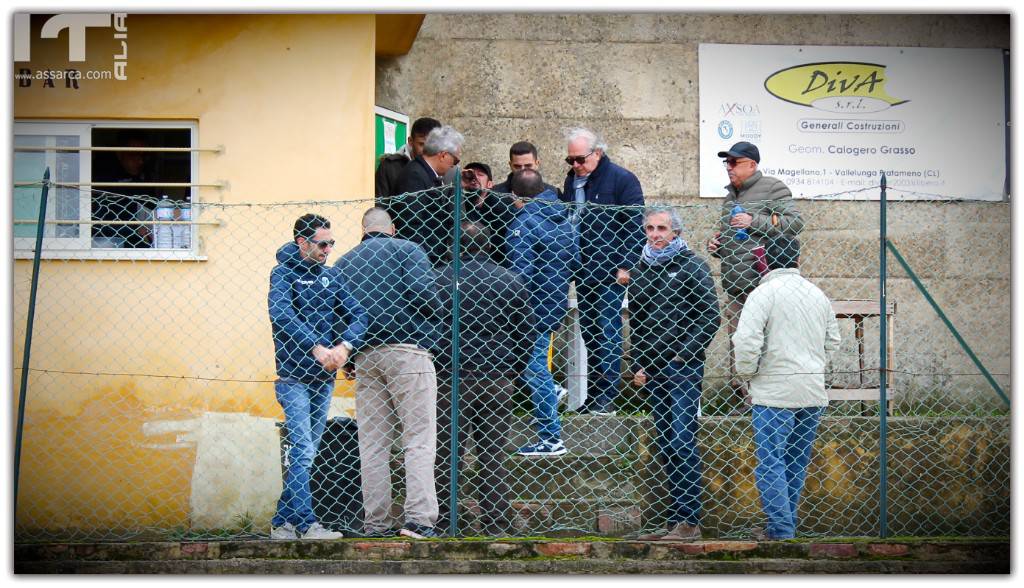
(150, 400)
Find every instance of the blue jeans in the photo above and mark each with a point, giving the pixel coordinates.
(600, 308)
(542, 391)
(305, 407)
(784, 438)
(674, 398)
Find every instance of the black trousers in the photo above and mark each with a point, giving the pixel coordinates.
(485, 414)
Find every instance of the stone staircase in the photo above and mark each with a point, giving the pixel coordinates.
(597, 488)
(610, 485)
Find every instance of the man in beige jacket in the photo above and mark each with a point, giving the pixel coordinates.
(786, 333)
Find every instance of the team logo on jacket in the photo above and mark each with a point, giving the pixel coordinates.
(325, 281)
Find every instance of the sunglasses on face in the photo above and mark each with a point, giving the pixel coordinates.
(731, 162)
(455, 160)
(325, 244)
(578, 159)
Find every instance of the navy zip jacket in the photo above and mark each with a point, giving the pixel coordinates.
(544, 250)
(309, 305)
(393, 281)
(608, 236)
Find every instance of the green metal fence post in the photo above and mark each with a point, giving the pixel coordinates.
(28, 337)
(883, 373)
(453, 500)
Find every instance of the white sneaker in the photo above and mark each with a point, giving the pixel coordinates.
(285, 532)
(318, 531)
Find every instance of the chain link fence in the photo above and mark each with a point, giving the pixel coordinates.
(154, 410)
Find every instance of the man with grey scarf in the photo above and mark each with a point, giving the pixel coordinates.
(673, 317)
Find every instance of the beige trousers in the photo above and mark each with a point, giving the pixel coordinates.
(396, 386)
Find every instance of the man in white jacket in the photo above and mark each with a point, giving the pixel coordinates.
(786, 333)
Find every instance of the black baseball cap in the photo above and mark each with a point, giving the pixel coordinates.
(742, 149)
(482, 167)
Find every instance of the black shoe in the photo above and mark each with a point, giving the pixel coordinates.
(415, 531)
(384, 534)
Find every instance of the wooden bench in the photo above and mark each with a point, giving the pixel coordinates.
(858, 310)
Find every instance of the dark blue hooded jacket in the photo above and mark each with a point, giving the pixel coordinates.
(309, 305)
(608, 234)
(543, 248)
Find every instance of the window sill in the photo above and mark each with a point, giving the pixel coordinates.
(114, 255)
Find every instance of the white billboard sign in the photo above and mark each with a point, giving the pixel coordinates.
(829, 120)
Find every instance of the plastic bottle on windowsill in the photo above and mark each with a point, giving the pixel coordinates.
(182, 234)
(163, 235)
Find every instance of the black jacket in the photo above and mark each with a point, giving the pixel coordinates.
(496, 212)
(389, 174)
(673, 311)
(425, 218)
(496, 321)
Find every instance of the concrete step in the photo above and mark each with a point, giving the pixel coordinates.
(518, 556)
(559, 518)
(591, 566)
(587, 434)
(570, 476)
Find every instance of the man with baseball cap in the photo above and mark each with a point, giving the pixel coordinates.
(756, 208)
(482, 205)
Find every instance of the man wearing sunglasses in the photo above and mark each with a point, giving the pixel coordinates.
(606, 211)
(316, 324)
(768, 211)
(424, 215)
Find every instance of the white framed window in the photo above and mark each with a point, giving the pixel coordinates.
(96, 186)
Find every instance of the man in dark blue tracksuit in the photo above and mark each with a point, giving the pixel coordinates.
(607, 214)
(543, 248)
(316, 324)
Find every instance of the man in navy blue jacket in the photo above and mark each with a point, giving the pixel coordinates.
(608, 217)
(316, 324)
(396, 382)
(544, 250)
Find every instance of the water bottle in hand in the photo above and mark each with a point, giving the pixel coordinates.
(741, 234)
